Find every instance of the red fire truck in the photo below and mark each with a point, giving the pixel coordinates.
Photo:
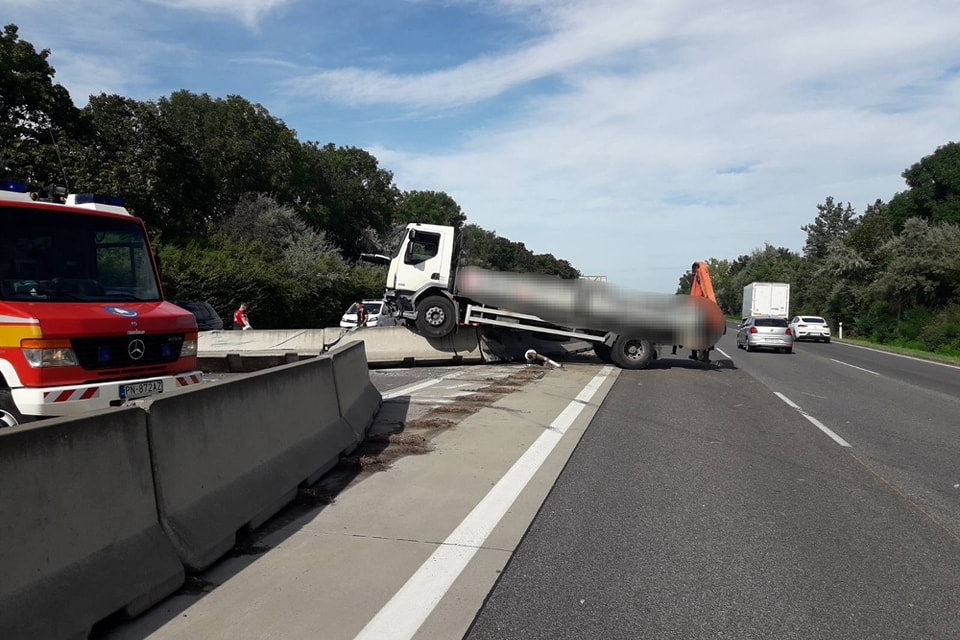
(83, 322)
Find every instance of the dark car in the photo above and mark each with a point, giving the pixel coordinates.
(206, 315)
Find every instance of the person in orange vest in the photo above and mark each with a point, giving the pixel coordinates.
(240, 319)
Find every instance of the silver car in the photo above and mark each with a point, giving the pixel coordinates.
(765, 332)
(810, 328)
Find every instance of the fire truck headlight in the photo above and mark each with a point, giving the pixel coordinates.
(189, 347)
(49, 353)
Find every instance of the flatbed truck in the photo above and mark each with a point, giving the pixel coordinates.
(427, 288)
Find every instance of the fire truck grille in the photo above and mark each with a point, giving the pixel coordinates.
(124, 351)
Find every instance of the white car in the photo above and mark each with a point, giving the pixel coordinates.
(810, 328)
(373, 308)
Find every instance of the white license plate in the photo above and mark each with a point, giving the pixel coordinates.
(141, 389)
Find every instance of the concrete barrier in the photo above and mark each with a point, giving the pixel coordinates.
(247, 361)
(231, 454)
(305, 341)
(402, 346)
(79, 534)
(359, 399)
(244, 351)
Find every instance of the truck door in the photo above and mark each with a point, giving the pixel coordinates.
(423, 261)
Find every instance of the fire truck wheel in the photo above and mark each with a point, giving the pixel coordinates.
(603, 352)
(630, 353)
(10, 416)
(436, 317)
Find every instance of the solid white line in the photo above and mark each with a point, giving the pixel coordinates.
(409, 608)
(899, 355)
(725, 354)
(854, 366)
(410, 388)
(819, 425)
(416, 386)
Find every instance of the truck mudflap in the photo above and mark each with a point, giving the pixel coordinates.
(74, 399)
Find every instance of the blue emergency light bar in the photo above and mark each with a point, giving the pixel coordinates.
(96, 198)
(15, 187)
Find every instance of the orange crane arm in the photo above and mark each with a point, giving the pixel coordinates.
(702, 285)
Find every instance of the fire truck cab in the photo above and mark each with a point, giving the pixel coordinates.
(83, 322)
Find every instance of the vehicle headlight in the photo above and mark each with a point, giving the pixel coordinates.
(189, 347)
(49, 353)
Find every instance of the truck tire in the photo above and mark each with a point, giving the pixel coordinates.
(436, 316)
(631, 353)
(10, 416)
(603, 352)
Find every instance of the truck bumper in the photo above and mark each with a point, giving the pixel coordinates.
(73, 399)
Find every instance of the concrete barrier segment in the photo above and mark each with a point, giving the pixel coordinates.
(359, 399)
(230, 454)
(304, 341)
(81, 538)
(402, 346)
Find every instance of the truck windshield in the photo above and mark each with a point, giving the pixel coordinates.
(58, 256)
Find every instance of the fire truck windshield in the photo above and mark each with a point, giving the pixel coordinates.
(61, 256)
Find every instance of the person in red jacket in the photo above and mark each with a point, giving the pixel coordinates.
(361, 315)
(240, 319)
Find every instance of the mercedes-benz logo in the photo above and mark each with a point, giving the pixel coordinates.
(136, 349)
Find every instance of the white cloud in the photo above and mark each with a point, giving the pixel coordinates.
(692, 132)
(249, 12)
(629, 137)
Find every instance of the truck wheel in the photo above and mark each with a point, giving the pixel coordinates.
(603, 352)
(10, 416)
(630, 353)
(436, 317)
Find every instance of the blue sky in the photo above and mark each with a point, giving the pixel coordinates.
(629, 137)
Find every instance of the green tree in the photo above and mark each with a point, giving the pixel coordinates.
(34, 112)
(238, 145)
(343, 191)
(833, 221)
(934, 189)
(265, 254)
(431, 207)
(483, 248)
(923, 267)
(134, 154)
(872, 230)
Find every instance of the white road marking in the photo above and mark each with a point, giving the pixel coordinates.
(725, 354)
(854, 366)
(819, 425)
(899, 355)
(417, 386)
(409, 608)
(410, 388)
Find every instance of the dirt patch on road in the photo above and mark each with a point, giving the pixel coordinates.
(380, 449)
(408, 438)
(413, 437)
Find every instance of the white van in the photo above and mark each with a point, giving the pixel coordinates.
(373, 308)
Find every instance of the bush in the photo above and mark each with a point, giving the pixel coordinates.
(942, 332)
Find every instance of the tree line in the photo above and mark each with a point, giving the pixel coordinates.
(238, 208)
(890, 274)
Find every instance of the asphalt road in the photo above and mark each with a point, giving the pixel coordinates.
(700, 504)
(811, 495)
